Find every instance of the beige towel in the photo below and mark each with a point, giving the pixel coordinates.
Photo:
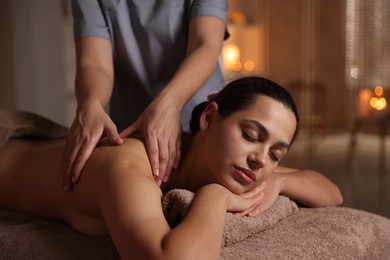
(18, 124)
(177, 202)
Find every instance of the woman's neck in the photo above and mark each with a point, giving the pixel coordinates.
(192, 173)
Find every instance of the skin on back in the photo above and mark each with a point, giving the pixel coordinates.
(117, 193)
(33, 169)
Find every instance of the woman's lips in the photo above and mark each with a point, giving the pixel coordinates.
(246, 175)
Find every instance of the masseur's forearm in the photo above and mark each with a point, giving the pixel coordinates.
(93, 86)
(308, 187)
(94, 75)
(205, 43)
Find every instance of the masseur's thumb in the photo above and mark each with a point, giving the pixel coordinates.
(132, 129)
(112, 135)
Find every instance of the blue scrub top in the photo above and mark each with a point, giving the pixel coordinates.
(149, 41)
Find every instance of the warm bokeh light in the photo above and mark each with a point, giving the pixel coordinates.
(354, 73)
(371, 98)
(236, 66)
(378, 103)
(249, 65)
(365, 94)
(231, 57)
(364, 108)
(378, 90)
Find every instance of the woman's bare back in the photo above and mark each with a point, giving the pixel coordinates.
(30, 181)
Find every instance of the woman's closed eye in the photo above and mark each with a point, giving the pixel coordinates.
(249, 137)
(274, 157)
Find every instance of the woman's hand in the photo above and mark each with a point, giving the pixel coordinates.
(161, 127)
(271, 188)
(90, 125)
(234, 202)
(247, 201)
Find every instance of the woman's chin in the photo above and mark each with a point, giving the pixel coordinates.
(236, 187)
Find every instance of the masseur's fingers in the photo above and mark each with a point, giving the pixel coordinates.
(178, 153)
(77, 152)
(152, 148)
(85, 133)
(111, 134)
(81, 159)
(151, 143)
(167, 159)
(89, 142)
(70, 154)
(160, 146)
(132, 129)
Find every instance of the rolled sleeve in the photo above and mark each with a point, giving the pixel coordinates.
(217, 8)
(89, 19)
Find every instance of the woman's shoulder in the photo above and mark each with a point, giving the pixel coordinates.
(132, 153)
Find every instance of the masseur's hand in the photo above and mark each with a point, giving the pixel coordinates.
(90, 125)
(161, 127)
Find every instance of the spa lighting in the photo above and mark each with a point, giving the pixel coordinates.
(231, 57)
(378, 90)
(249, 65)
(378, 103)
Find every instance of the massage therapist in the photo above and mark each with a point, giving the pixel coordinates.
(147, 62)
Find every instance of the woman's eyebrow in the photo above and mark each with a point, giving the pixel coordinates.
(283, 145)
(261, 128)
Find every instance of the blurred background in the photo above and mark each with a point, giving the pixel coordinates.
(333, 56)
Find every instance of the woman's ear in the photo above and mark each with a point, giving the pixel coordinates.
(208, 116)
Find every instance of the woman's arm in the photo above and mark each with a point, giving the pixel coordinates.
(160, 122)
(130, 202)
(307, 187)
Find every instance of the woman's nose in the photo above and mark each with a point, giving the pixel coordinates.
(257, 159)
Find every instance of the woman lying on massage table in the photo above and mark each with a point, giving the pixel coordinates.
(231, 162)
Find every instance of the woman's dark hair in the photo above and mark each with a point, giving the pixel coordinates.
(239, 94)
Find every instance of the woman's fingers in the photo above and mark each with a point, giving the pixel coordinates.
(255, 190)
(257, 205)
(251, 199)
